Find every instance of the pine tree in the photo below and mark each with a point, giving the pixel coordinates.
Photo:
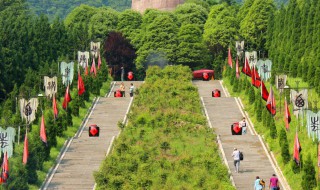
(283, 143)
(308, 177)
(251, 94)
(273, 128)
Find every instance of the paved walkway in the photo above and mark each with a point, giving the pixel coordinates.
(224, 111)
(84, 154)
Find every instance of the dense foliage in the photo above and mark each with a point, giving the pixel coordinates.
(162, 147)
(31, 48)
(197, 34)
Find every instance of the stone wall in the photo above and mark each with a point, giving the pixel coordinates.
(142, 5)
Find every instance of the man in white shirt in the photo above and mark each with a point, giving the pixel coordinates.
(236, 159)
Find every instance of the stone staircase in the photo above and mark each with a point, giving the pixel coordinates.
(83, 154)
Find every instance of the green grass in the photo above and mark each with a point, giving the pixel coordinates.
(162, 147)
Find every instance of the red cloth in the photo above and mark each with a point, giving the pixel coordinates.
(54, 106)
(25, 150)
(237, 68)
(229, 57)
(5, 169)
(99, 61)
(93, 67)
(264, 91)
(255, 78)
(81, 88)
(67, 98)
(287, 116)
(271, 103)
(246, 68)
(296, 149)
(43, 135)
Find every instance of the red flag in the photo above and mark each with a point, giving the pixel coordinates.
(25, 150)
(5, 169)
(67, 98)
(43, 135)
(229, 58)
(264, 91)
(246, 68)
(255, 78)
(99, 61)
(86, 72)
(287, 116)
(55, 108)
(93, 67)
(237, 68)
(81, 88)
(296, 149)
(271, 103)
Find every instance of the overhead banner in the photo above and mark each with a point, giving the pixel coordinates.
(28, 109)
(252, 58)
(299, 101)
(7, 137)
(313, 124)
(83, 58)
(281, 82)
(50, 86)
(239, 48)
(264, 69)
(67, 70)
(95, 49)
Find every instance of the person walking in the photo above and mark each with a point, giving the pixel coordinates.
(122, 74)
(257, 185)
(236, 159)
(274, 182)
(131, 90)
(122, 90)
(243, 125)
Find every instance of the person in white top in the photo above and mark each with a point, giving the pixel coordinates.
(243, 125)
(131, 90)
(236, 159)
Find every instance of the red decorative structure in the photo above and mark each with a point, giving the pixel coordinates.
(94, 130)
(199, 74)
(216, 93)
(235, 129)
(117, 94)
(130, 75)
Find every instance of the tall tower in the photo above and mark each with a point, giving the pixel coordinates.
(142, 5)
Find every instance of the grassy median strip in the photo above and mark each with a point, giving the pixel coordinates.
(166, 144)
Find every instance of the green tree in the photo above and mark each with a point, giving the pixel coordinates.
(191, 50)
(102, 22)
(190, 13)
(160, 43)
(129, 23)
(273, 128)
(308, 177)
(283, 143)
(220, 28)
(253, 27)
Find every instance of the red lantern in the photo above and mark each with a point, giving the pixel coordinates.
(205, 76)
(216, 93)
(94, 131)
(130, 75)
(117, 94)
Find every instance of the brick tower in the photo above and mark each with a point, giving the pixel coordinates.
(142, 5)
